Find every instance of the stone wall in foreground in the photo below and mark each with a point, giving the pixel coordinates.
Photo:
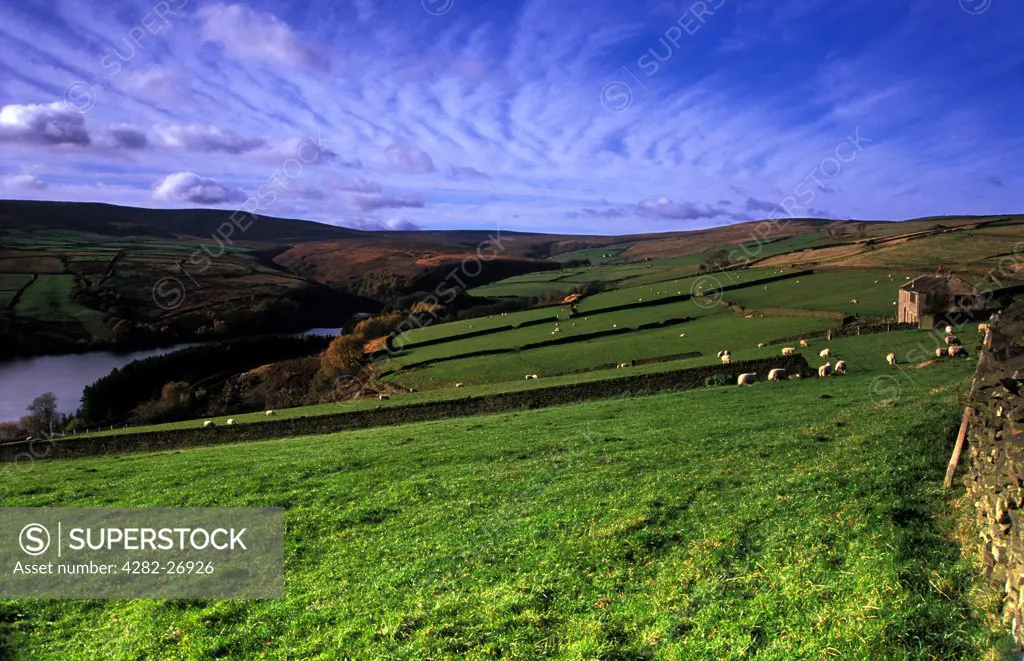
(995, 471)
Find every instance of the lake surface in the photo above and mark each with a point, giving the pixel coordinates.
(24, 379)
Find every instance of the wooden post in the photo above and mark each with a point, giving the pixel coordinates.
(965, 420)
(958, 448)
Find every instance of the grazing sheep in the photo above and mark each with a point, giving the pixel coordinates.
(890, 358)
(726, 359)
(789, 351)
(682, 335)
(209, 424)
(805, 343)
(382, 397)
(840, 367)
(949, 330)
(778, 374)
(825, 353)
(622, 366)
(460, 385)
(747, 379)
(722, 353)
(762, 345)
(230, 421)
(532, 377)
(825, 370)
(270, 413)
(853, 301)
(957, 350)
(941, 351)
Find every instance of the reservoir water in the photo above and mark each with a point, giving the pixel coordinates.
(66, 376)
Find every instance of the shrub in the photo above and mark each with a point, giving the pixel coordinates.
(717, 380)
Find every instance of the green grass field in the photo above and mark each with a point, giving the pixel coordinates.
(719, 524)
(707, 335)
(49, 298)
(874, 292)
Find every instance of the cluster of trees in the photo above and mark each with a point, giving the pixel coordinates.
(44, 420)
(179, 384)
(715, 260)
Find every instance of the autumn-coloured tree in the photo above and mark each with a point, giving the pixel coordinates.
(343, 356)
(373, 327)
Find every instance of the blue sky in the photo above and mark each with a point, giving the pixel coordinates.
(580, 116)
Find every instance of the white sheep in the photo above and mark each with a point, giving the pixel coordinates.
(825, 353)
(209, 424)
(777, 374)
(762, 345)
(722, 353)
(825, 370)
(890, 358)
(623, 366)
(532, 377)
(840, 367)
(805, 343)
(746, 379)
(460, 385)
(682, 335)
(230, 421)
(957, 350)
(270, 413)
(941, 351)
(789, 351)
(382, 397)
(726, 359)
(949, 330)
(853, 301)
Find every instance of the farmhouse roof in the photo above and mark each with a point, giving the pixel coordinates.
(924, 282)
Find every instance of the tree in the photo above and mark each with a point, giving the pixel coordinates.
(716, 259)
(344, 355)
(43, 417)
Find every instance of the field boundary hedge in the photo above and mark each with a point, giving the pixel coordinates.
(157, 441)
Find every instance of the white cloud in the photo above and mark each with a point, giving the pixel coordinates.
(190, 187)
(22, 182)
(409, 158)
(669, 209)
(247, 34)
(377, 225)
(378, 201)
(43, 124)
(206, 138)
(355, 185)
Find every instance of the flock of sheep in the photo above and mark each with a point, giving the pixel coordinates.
(952, 349)
(779, 374)
(210, 424)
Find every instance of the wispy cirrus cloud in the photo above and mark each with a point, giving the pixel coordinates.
(493, 118)
(249, 34)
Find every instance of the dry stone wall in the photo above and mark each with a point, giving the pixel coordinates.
(995, 474)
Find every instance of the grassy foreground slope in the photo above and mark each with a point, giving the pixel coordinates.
(770, 522)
